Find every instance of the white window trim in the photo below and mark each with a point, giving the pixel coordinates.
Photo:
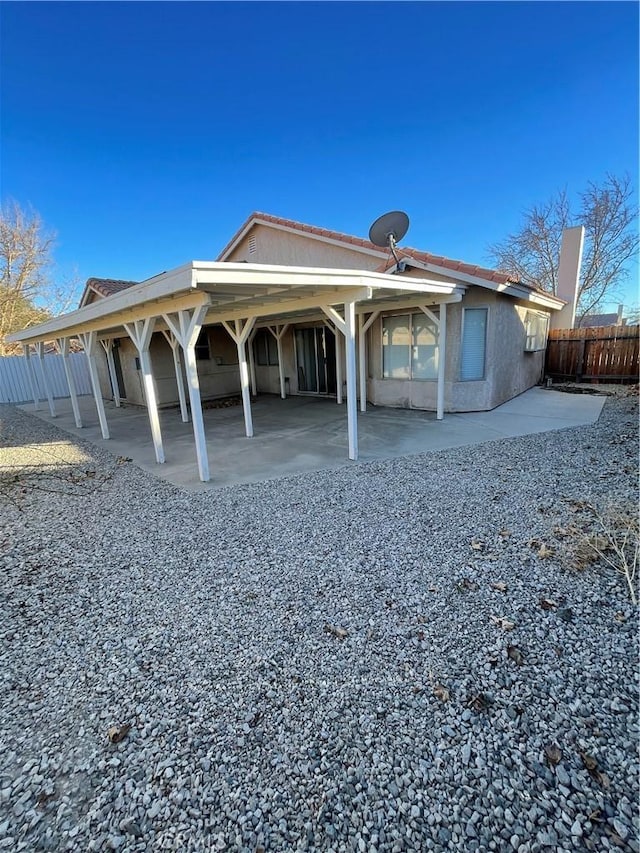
(530, 341)
(466, 308)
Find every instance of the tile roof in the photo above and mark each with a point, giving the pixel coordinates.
(108, 286)
(403, 251)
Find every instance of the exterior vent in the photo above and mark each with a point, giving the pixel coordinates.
(252, 245)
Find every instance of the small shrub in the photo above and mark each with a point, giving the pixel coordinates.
(609, 537)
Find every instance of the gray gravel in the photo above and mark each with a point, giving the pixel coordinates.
(210, 623)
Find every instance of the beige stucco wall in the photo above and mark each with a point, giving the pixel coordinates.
(275, 246)
(509, 370)
(219, 376)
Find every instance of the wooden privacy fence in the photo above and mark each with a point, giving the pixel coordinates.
(15, 386)
(604, 354)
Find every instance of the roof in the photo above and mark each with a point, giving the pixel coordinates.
(236, 291)
(109, 286)
(494, 279)
(359, 242)
(591, 320)
(103, 287)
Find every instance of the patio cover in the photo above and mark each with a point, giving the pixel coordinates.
(239, 296)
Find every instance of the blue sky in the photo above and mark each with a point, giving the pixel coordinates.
(145, 133)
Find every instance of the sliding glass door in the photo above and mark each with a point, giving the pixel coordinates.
(316, 360)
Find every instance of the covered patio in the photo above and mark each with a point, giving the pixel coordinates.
(303, 434)
(241, 298)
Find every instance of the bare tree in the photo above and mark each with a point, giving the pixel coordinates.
(611, 241)
(25, 267)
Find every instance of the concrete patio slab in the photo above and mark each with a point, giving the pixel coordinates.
(303, 434)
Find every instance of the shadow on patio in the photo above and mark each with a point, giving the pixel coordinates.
(303, 434)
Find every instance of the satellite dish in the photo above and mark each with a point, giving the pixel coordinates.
(388, 229)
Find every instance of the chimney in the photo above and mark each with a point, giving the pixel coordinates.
(569, 277)
(620, 313)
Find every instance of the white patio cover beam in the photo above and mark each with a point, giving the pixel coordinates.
(186, 326)
(283, 290)
(252, 363)
(240, 335)
(338, 369)
(352, 405)
(140, 332)
(441, 325)
(90, 343)
(63, 347)
(364, 326)
(442, 353)
(26, 350)
(347, 327)
(278, 333)
(335, 318)
(44, 372)
(107, 346)
(174, 343)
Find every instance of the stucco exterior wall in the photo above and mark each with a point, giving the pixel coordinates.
(509, 369)
(268, 376)
(512, 369)
(219, 376)
(275, 246)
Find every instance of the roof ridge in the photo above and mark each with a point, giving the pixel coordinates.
(452, 264)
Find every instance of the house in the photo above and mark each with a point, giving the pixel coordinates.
(591, 321)
(496, 330)
(289, 308)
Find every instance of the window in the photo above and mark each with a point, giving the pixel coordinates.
(409, 347)
(474, 343)
(265, 348)
(203, 353)
(536, 328)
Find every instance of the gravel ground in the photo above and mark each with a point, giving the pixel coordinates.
(319, 662)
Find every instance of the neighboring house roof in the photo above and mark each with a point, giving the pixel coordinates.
(591, 320)
(103, 287)
(360, 243)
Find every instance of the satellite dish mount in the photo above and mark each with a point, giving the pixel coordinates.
(388, 230)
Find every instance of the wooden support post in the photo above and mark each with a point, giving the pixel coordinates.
(26, 349)
(442, 353)
(186, 326)
(348, 328)
(44, 372)
(89, 342)
(63, 346)
(362, 363)
(240, 335)
(174, 343)
(244, 379)
(140, 332)
(352, 406)
(278, 334)
(338, 338)
(252, 364)
(363, 328)
(107, 346)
